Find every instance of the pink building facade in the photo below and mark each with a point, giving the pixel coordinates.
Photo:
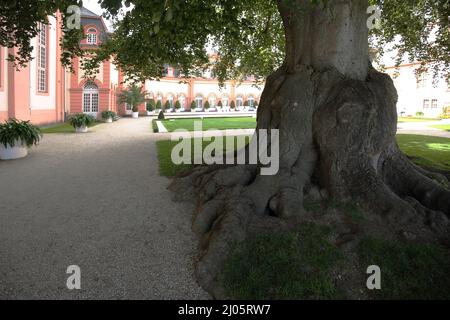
(35, 92)
(45, 92)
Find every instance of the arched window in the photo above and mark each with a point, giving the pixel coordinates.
(212, 100)
(90, 98)
(199, 101)
(225, 100)
(170, 99)
(239, 101)
(42, 54)
(182, 100)
(251, 101)
(159, 98)
(92, 36)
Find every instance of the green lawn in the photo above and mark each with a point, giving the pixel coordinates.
(284, 265)
(239, 123)
(304, 264)
(210, 123)
(401, 120)
(445, 127)
(409, 270)
(166, 167)
(426, 150)
(62, 128)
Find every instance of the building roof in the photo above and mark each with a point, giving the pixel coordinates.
(88, 13)
(90, 18)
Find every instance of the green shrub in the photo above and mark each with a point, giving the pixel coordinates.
(232, 104)
(283, 265)
(108, 114)
(158, 105)
(206, 105)
(167, 105)
(220, 104)
(150, 106)
(81, 119)
(419, 114)
(155, 126)
(177, 105)
(14, 130)
(193, 105)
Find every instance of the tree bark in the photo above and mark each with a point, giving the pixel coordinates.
(337, 123)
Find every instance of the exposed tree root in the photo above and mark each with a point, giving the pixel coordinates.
(334, 132)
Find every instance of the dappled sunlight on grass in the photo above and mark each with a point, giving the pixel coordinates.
(439, 146)
(402, 120)
(426, 150)
(442, 127)
(210, 123)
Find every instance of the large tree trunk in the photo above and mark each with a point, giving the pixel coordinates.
(337, 123)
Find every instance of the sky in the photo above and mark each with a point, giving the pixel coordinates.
(94, 6)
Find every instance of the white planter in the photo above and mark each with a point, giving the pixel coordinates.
(135, 115)
(149, 113)
(109, 120)
(11, 153)
(82, 129)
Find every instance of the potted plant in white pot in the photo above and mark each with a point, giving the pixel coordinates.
(177, 106)
(16, 137)
(108, 116)
(81, 122)
(158, 107)
(133, 96)
(150, 106)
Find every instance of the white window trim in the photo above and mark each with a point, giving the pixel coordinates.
(91, 101)
(92, 38)
(42, 59)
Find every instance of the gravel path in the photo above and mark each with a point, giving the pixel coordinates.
(94, 200)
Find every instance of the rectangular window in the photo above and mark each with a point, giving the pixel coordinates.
(42, 58)
(90, 102)
(94, 102)
(422, 80)
(87, 102)
(92, 38)
(434, 104)
(426, 104)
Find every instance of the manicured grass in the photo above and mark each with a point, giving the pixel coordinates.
(63, 128)
(445, 127)
(408, 271)
(283, 265)
(426, 151)
(304, 264)
(167, 167)
(155, 126)
(210, 123)
(400, 120)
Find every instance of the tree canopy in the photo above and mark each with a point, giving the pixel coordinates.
(247, 36)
